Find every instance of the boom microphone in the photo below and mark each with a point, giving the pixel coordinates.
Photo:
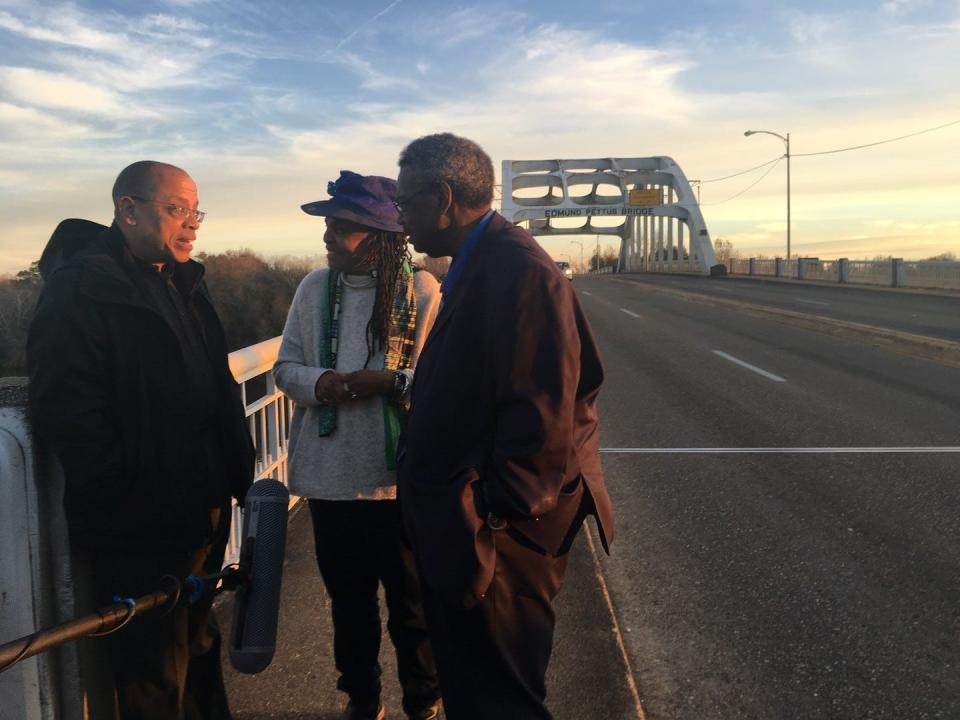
(253, 636)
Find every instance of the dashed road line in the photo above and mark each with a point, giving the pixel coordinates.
(628, 312)
(588, 294)
(748, 366)
(941, 351)
(812, 302)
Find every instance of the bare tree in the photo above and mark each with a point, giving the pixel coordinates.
(724, 251)
(18, 297)
(608, 258)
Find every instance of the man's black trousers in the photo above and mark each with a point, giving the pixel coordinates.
(359, 545)
(162, 666)
(493, 657)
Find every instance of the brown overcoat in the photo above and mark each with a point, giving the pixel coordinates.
(503, 422)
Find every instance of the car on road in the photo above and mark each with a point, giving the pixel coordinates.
(565, 269)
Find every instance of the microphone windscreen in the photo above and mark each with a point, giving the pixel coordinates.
(253, 635)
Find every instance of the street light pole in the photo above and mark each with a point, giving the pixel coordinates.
(786, 142)
(598, 254)
(577, 242)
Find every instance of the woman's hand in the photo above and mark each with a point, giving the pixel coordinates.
(368, 383)
(330, 390)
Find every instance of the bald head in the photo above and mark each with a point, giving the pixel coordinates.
(141, 179)
(155, 208)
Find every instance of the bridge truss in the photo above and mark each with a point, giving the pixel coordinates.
(661, 228)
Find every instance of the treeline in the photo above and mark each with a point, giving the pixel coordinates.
(608, 257)
(18, 296)
(252, 295)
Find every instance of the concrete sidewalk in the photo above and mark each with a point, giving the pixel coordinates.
(587, 678)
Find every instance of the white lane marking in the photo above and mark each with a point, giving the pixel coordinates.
(748, 366)
(726, 290)
(621, 646)
(631, 314)
(588, 294)
(780, 450)
(812, 302)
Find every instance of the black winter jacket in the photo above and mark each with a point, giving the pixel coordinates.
(108, 393)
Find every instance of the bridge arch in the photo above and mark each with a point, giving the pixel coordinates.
(661, 228)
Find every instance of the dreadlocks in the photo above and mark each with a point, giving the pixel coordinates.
(385, 256)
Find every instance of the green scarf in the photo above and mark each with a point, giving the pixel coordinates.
(402, 327)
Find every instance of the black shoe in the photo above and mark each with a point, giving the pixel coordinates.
(364, 712)
(427, 712)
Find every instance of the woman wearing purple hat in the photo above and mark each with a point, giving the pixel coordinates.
(349, 349)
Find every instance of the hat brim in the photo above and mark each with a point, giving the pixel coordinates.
(331, 208)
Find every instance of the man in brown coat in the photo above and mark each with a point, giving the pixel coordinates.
(499, 461)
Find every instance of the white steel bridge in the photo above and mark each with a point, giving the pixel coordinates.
(646, 202)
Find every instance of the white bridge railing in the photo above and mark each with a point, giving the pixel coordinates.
(920, 274)
(269, 412)
(36, 570)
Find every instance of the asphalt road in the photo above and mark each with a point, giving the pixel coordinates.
(928, 313)
(780, 585)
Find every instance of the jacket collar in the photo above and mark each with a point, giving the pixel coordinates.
(495, 226)
(107, 267)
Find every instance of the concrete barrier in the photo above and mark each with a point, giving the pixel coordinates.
(35, 570)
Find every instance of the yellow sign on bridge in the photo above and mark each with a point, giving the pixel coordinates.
(650, 196)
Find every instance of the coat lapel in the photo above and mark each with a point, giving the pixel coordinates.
(449, 304)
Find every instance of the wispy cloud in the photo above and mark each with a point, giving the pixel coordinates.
(265, 100)
(65, 25)
(367, 23)
(61, 92)
(899, 8)
(372, 77)
(470, 24)
(20, 123)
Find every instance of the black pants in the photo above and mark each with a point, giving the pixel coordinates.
(359, 545)
(493, 657)
(162, 666)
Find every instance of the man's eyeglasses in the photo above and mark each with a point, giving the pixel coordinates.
(177, 210)
(401, 203)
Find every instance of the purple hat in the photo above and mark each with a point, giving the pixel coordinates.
(363, 199)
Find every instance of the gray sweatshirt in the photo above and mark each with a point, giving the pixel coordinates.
(349, 464)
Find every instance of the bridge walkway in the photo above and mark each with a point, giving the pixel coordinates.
(588, 677)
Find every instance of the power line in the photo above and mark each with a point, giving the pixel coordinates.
(879, 142)
(749, 187)
(776, 160)
(742, 172)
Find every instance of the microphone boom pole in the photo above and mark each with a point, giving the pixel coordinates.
(257, 582)
(100, 622)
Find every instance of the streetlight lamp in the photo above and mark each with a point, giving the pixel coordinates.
(577, 242)
(786, 141)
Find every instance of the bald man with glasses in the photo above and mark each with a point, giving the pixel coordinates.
(130, 388)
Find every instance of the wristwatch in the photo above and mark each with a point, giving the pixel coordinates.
(400, 384)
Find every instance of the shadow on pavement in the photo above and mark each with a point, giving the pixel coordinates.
(587, 677)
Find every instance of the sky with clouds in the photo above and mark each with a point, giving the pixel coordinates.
(264, 102)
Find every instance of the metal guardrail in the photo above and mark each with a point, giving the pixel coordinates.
(896, 272)
(932, 274)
